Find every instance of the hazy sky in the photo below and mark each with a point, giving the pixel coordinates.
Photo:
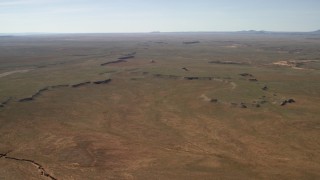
(158, 15)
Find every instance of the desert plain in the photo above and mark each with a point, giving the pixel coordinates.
(160, 106)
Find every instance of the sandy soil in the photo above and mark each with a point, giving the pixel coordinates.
(13, 72)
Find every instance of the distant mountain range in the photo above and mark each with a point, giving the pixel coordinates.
(276, 32)
(315, 32)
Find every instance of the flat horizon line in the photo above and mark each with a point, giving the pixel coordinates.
(158, 32)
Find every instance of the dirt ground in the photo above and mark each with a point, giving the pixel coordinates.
(166, 113)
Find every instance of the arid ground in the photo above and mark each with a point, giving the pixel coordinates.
(160, 106)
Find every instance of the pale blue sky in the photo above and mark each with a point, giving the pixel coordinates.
(157, 15)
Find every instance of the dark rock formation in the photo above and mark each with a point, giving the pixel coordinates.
(214, 100)
(184, 68)
(246, 75)
(265, 88)
(113, 62)
(81, 84)
(258, 103)
(102, 81)
(291, 100)
(198, 78)
(205, 78)
(44, 89)
(166, 76)
(3, 154)
(120, 59)
(126, 57)
(39, 92)
(59, 86)
(26, 99)
(283, 103)
(253, 79)
(249, 77)
(228, 62)
(242, 105)
(191, 78)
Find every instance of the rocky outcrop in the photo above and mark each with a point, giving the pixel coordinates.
(113, 62)
(249, 77)
(291, 100)
(253, 79)
(121, 59)
(228, 62)
(214, 100)
(184, 68)
(285, 102)
(39, 92)
(126, 57)
(242, 105)
(246, 75)
(166, 76)
(25, 99)
(191, 78)
(198, 78)
(205, 78)
(59, 86)
(80, 84)
(258, 103)
(185, 78)
(102, 81)
(265, 88)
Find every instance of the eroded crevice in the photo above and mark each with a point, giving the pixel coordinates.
(43, 172)
(39, 92)
(80, 84)
(113, 62)
(121, 59)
